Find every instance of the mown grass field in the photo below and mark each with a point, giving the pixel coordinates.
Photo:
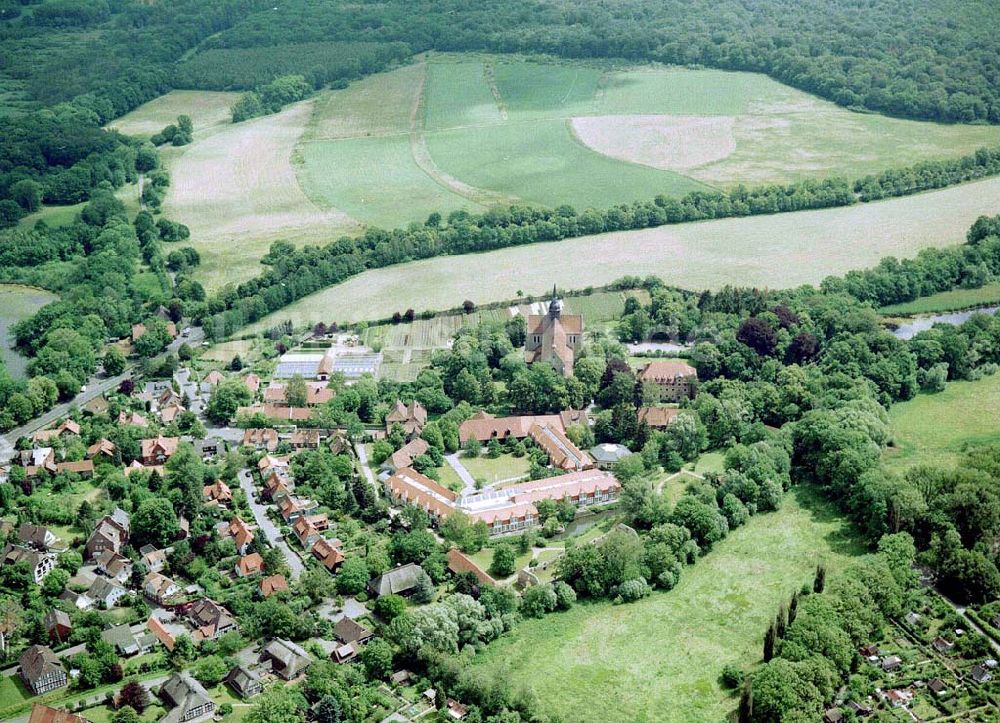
(946, 301)
(780, 251)
(659, 659)
(207, 110)
(938, 428)
(17, 303)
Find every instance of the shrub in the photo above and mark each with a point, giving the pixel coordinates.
(632, 590)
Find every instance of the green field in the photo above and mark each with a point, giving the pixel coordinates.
(937, 428)
(946, 301)
(463, 131)
(207, 109)
(491, 471)
(659, 659)
(53, 215)
(17, 303)
(779, 251)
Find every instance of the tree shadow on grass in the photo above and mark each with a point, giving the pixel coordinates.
(845, 539)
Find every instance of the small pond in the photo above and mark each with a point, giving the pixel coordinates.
(916, 324)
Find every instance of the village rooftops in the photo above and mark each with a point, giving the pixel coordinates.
(666, 370)
(484, 427)
(43, 714)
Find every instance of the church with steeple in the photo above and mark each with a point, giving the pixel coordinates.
(554, 338)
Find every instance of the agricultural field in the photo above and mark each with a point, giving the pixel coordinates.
(946, 301)
(17, 303)
(208, 111)
(779, 251)
(659, 658)
(938, 428)
(467, 131)
(236, 189)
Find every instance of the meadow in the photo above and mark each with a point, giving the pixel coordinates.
(954, 300)
(16, 303)
(659, 658)
(938, 428)
(207, 110)
(779, 251)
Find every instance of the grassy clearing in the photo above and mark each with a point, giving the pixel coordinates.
(659, 659)
(53, 215)
(237, 191)
(947, 301)
(374, 106)
(938, 428)
(12, 691)
(710, 462)
(780, 251)
(207, 109)
(604, 306)
(17, 303)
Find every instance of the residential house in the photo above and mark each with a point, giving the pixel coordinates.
(125, 642)
(58, 626)
(67, 428)
(217, 493)
(266, 438)
(305, 439)
(78, 600)
(292, 508)
(937, 687)
(158, 587)
(38, 460)
(288, 660)
(658, 417)
(214, 377)
(244, 681)
(404, 456)
(133, 419)
(210, 620)
(41, 670)
(317, 393)
(171, 412)
(554, 338)
(833, 715)
(159, 631)
(84, 468)
(459, 563)
(154, 560)
(676, 380)
(36, 536)
(328, 553)
(43, 714)
(103, 448)
(860, 709)
(272, 585)
(106, 592)
(249, 565)
(40, 563)
(456, 711)
(209, 448)
(186, 698)
(114, 565)
(344, 653)
(240, 532)
(410, 417)
(349, 631)
(276, 413)
(562, 453)
(306, 532)
(111, 533)
(899, 698)
(157, 451)
(252, 382)
(400, 580)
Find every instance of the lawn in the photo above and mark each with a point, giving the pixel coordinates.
(491, 471)
(710, 462)
(779, 251)
(946, 301)
(16, 303)
(12, 691)
(659, 659)
(937, 428)
(603, 307)
(53, 215)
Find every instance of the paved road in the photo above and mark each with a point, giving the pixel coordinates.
(971, 623)
(359, 449)
(463, 473)
(96, 386)
(264, 524)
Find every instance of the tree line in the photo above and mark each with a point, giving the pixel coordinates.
(294, 274)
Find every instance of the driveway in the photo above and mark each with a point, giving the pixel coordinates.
(463, 473)
(265, 525)
(359, 449)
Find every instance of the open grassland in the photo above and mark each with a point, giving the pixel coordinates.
(780, 251)
(938, 428)
(53, 215)
(16, 303)
(207, 110)
(947, 301)
(659, 659)
(237, 191)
